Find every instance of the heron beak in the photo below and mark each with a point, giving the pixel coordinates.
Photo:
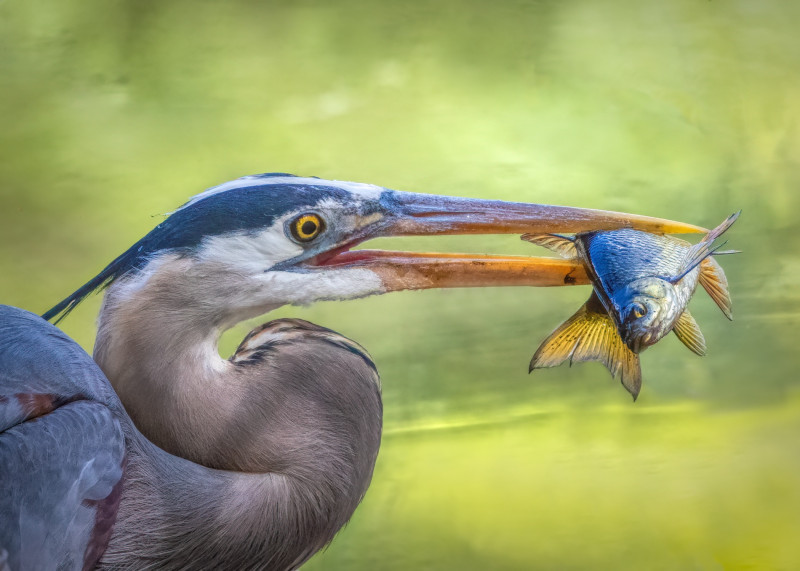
(414, 214)
(417, 214)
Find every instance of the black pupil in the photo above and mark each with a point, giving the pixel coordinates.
(308, 227)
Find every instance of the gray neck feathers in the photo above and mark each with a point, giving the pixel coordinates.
(281, 439)
(176, 514)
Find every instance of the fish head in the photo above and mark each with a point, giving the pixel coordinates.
(648, 308)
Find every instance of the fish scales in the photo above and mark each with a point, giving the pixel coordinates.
(625, 255)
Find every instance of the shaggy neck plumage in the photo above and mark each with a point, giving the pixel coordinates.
(302, 418)
(176, 514)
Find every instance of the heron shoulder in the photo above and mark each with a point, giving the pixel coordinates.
(62, 448)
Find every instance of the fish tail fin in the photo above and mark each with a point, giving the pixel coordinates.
(687, 330)
(590, 335)
(705, 247)
(722, 228)
(561, 245)
(713, 280)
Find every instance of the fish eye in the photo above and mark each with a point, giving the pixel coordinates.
(639, 310)
(306, 227)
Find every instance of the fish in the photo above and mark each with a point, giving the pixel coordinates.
(641, 286)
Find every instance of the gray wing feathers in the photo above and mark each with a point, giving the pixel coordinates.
(38, 358)
(55, 472)
(61, 449)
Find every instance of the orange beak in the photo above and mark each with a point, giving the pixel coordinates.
(413, 214)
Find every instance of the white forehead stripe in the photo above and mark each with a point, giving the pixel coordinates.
(358, 188)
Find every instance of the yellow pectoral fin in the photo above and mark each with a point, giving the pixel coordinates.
(562, 246)
(713, 280)
(590, 335)
(689, 333)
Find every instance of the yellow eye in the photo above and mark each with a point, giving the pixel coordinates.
(306, 227)
(639, 310)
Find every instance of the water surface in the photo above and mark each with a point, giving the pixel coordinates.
(116, 112)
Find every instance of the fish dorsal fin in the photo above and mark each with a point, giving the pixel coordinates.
(713, 280)
(689, 333)
(590, 335)
(561, 245)
(704, 248)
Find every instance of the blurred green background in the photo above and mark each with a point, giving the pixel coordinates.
(115, 112)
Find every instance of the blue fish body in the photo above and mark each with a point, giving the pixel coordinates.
(641, 279)
(642, 284)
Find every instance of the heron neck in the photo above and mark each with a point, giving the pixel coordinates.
(157, 342)
(165, 368)
(177, 514)
(294, 442)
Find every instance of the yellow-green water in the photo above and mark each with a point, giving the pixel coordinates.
(116, 112)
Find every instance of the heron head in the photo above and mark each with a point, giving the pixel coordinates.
(294, 236)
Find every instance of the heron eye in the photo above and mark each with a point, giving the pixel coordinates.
(639, 310)
(306, 227)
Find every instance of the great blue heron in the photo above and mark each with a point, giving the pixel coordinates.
(251, 462)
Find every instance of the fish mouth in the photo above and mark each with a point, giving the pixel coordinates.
(414, 214)
(639, 342)
(635, 345)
